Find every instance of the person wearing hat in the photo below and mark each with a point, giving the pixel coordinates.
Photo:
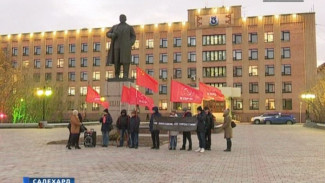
(227, 129)
(134, 130)
(201, 120)
(74, 130)
(187, 135)
(122, 124)
(209, 127)
(106, 121)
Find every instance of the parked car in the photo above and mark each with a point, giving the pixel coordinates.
(280, 119)
(260, 119)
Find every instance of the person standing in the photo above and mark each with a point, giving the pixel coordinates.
(201, 118)
(75, 129)
(134, 130)
(187, 134)
(227, 129)
(154, 133)
(106, 121)
(122, 124)
(123, 37)
(209, 127)
(173, 134)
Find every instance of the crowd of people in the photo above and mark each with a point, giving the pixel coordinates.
(129, 126)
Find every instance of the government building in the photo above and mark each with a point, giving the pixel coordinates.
(270, 58)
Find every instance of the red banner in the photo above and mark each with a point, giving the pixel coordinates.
(180, 92)
(92, 96)
(125, 94)
(145, 80)
(210, 92)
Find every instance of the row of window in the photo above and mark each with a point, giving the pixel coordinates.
(269, 104)
(269, 70)
(60, 49)
(219, 39)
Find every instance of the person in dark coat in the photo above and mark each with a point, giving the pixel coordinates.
(187, 135)
(106, 121)
(209, 127)
(201, 118)
(122, 124)
(134, 130)
(154, 133)
(123, 37)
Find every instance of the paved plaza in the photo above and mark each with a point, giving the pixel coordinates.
(261, 153)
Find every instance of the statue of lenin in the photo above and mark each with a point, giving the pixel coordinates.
(123, 37)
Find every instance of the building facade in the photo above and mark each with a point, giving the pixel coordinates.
(272, 59)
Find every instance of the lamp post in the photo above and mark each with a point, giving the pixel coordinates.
(45, 92)
(308, 97)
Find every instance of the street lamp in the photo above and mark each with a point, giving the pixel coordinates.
(45, 92)
(308, 97)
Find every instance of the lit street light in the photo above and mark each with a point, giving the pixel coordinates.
(308, 97)
(45, 92)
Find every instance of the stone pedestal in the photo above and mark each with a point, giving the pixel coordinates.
(113, 93)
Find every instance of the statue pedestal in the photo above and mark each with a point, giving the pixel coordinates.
(113, 93)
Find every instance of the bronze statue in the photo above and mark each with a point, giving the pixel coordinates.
(123, 37)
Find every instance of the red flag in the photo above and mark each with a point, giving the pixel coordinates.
(145, 80)
(125, 94)
(180, 92)
(138, 98)
(210, 92)
(92, 95)
(105, 104)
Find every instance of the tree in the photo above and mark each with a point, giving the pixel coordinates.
(317, 105)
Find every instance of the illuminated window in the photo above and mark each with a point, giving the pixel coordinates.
(97, 89)
(270, 104)
(95, 107)
(71, 91)
(237, 104)
(253, 70)
(219, 55)
(163, 104)
(60, 63)
(109, 74)
(268, 37)
(149, 43)
(96, 76)
(219, 39)
(26, 63)
(134, 74)
(83, 91)
(135, 46)
(213, 72)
